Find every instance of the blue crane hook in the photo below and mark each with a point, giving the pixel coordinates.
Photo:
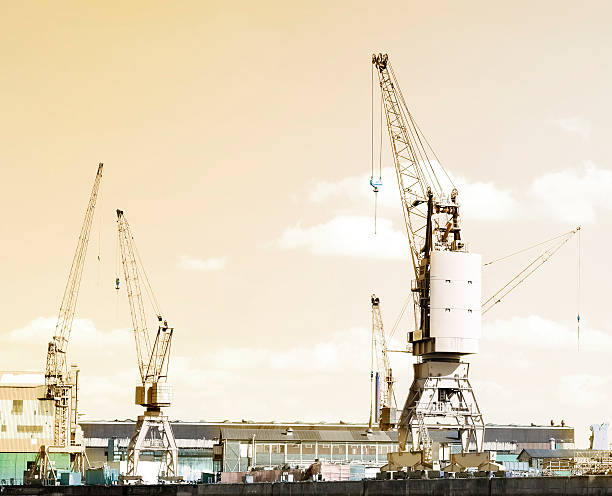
(375, 183)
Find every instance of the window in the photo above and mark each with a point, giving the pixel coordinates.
(369, 449)
(339, 449)
(324, 449)
(262, 448)
(31, 429)
(293, 449)
(354, 449)
(17, 406)
(308, 450)
(3, 427)
(245, 448)
(278, 449)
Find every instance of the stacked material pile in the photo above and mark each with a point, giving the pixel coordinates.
(329, 471)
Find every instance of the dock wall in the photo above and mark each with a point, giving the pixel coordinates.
(527, 486)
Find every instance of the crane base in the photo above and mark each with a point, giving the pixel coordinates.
(483, 461)
(411, 460)
(166, 443)
(441, 397)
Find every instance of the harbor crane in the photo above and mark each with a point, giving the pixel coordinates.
(446, 293)
(383, 409)
(153, 431)
(61, 383)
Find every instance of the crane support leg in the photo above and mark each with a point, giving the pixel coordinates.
(441, 396)
(164, 442)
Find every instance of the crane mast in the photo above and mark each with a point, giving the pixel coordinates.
(153, 431)
(446, 294)
(384, 410)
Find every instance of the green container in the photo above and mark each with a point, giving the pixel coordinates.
(207, 478)
(70, 478)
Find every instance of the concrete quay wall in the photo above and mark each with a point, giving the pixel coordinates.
(536, 486)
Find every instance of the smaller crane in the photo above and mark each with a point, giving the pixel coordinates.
(154, 393)
(383, 408)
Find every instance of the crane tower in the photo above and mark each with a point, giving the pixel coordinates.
(446, 294)
(384, 411)
(153, 431)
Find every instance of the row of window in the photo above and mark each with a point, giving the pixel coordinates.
(343, 449)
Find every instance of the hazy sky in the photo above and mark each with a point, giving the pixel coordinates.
(236, 137)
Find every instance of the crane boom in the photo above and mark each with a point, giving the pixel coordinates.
(58, 384)
(416, 165)
(534, 265)
(56, 369)
(131, 276)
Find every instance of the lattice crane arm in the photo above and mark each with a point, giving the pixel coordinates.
(152, 358)
(420, 177)
(134, 292)
(533, 266)
(56, 369)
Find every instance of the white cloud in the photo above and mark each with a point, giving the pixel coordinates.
(567, 196)
(348, 235)
(535, 332)
(188, 263)
(480, 200)
(533, 364)
(485, 201)
(573, 195)
(576, 125)
(590, 388)
(84, 333)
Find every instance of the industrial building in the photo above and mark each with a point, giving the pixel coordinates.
(236, 446)
(26, 423)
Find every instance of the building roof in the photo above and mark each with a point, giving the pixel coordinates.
(297, 435)
(201, 431)
(528, 433)
(21, 379)
(546, 453)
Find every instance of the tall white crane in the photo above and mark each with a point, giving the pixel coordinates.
(446, 293)
(61, 383)
(153, 431)
(383, 402)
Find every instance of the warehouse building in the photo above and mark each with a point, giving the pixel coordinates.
(26, 422)
(236, 446)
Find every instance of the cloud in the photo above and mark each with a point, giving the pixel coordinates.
(349, 236)
(575, 125)
(83, 333)
(535, 332)
(188, 263)
(533, 363)
(485, 201)
(573, 195)
(480, 200)
(590, 388)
